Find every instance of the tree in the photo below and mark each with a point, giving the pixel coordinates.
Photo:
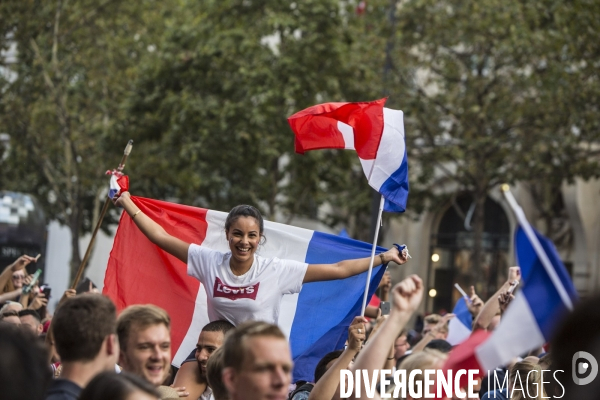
(75, 62)
(215, 98)
(481, 79)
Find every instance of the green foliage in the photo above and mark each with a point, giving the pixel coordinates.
(61, 108)
(216, 95)
(492, 92)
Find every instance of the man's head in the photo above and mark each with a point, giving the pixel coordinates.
(84, 330)
(575, 348)
(145, 338)
(430, 322)
(325, 363)
(24, 370)
(214, 368)
(401, 345)
(31, 320)
(257, 363)
(11, 306)
(10, 317)
(210, 339)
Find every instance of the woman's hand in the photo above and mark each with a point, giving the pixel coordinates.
(394, 255)
(119, 200)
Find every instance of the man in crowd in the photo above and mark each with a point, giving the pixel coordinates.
(31, 320)
(24, 372)
(257, 362)
(192, 374)
(84, 329)
(145, 338)
(433, 327)
(401, 346)
(11, 306)
(10, 317)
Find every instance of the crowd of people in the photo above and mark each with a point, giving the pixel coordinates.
(86, 350)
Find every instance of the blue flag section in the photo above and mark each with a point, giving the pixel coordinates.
(326, 309)
(542, 294)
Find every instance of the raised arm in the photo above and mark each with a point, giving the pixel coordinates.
(347, 268)
(491, 307)
(17, 265)
(327, 386)
(153, 231)
(406, 297)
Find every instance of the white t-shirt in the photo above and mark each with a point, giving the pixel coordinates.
(207, 395)
(256, 295)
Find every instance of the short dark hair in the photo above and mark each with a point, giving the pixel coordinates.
(234, 347)
(439, 344)
(322, 365)
(9, 313)
(244, 211)
(140, 316)
(33, 313)
(218, 326)
(214, 368)
(81, 324)
(578, 331)
(24, 369)
(110, 385)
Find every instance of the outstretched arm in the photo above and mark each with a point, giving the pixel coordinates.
(154, 231)
(17, 265)
(347, 268)
(406, 297)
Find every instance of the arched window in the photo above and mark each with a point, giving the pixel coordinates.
(451, 253)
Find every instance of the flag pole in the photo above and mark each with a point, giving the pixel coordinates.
(537, 246)
(370, 272)
(100, 219)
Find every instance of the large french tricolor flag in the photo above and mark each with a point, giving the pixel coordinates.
(375, 132)
(531, 318)
(316, 321)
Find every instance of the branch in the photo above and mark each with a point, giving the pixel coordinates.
(55, 38)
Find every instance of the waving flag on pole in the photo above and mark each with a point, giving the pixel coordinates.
(316, 320)
(536, 311)
(375, 132)
(531, 318)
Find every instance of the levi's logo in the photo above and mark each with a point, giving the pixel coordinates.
(234, 293)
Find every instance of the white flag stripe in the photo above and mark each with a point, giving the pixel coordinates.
(348, 135)
(517, 334)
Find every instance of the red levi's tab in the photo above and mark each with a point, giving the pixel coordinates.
(234, 293)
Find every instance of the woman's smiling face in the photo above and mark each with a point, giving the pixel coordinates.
(243, 237)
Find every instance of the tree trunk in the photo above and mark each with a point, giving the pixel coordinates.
(74, 227)
(477, 256)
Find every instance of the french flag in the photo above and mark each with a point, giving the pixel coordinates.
(316, 320)
(375, 132)
(459, 327)
(531, 318)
